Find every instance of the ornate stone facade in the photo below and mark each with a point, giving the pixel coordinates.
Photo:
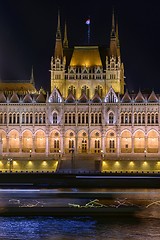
(87, 110)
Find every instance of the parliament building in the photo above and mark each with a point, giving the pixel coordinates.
(88, 110)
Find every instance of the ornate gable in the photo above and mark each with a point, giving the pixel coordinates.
(111, 96)
(55, 96)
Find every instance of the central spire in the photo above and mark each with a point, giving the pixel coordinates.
(113, 34)
(58, 46)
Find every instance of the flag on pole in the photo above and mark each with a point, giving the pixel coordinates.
(88, 21)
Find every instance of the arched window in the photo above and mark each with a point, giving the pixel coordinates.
(10, 118)
(111, 118)
(122, 118)
(156, 117)
(130, 118)
(1, 118)
(72, 90)
(148, 118)
(65, 118)
(100, 118)
(36, 118)
(27, 118)
(31, 117)
(92, 118)
(99, 90)
(54, 117)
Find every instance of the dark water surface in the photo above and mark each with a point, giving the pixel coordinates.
(145, 225)
(48, 228)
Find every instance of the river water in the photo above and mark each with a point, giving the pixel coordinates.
(145, 224)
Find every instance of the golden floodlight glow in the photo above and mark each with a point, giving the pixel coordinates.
(131, 163)
(30, 162)
(145, 163)
(117, 163)
(15, 163)
(44, 163)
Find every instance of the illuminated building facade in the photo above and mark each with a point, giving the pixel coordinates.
(87, 109)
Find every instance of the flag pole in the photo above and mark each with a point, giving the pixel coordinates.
(88, 32)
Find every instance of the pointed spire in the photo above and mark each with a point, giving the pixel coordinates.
(32, 77)
(58, 46)
(113, 25)
(65, 41)
(117, 35)
(114, 39)
(58, 33)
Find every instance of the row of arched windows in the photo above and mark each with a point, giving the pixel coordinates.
(139, 118)
(85, 89)
(24, 118)
(83, 118)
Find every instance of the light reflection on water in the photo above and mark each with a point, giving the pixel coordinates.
(143, 226)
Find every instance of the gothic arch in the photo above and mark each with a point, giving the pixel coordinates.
(126, 141)
(14, 143)
(152, 141)
(139, 141)
(111, 141)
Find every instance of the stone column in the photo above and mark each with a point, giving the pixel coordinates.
(89, 143)
(33, 147)
(118, 145)
(20, 144)
(1, 146)
(47, 149)
(76, 143)
(132, 144)
(7, 141)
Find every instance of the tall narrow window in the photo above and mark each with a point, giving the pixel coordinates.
(111, 118)
(54, 117)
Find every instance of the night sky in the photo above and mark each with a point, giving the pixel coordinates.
(28, 30)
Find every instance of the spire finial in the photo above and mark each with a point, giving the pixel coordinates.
(117, 34)
(58, 34)
(32, 77)
(65, 41)
(113, 23)
(113, 34)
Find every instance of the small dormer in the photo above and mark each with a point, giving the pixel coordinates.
(27, 98)
(96, 98)
(139, 97)
(126, 97)
(152, 97)
(70, 98)
(83, 98)
(14, 98)
(2, 98)
(40, 98)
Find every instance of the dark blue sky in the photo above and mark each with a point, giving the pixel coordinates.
(28, 28)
